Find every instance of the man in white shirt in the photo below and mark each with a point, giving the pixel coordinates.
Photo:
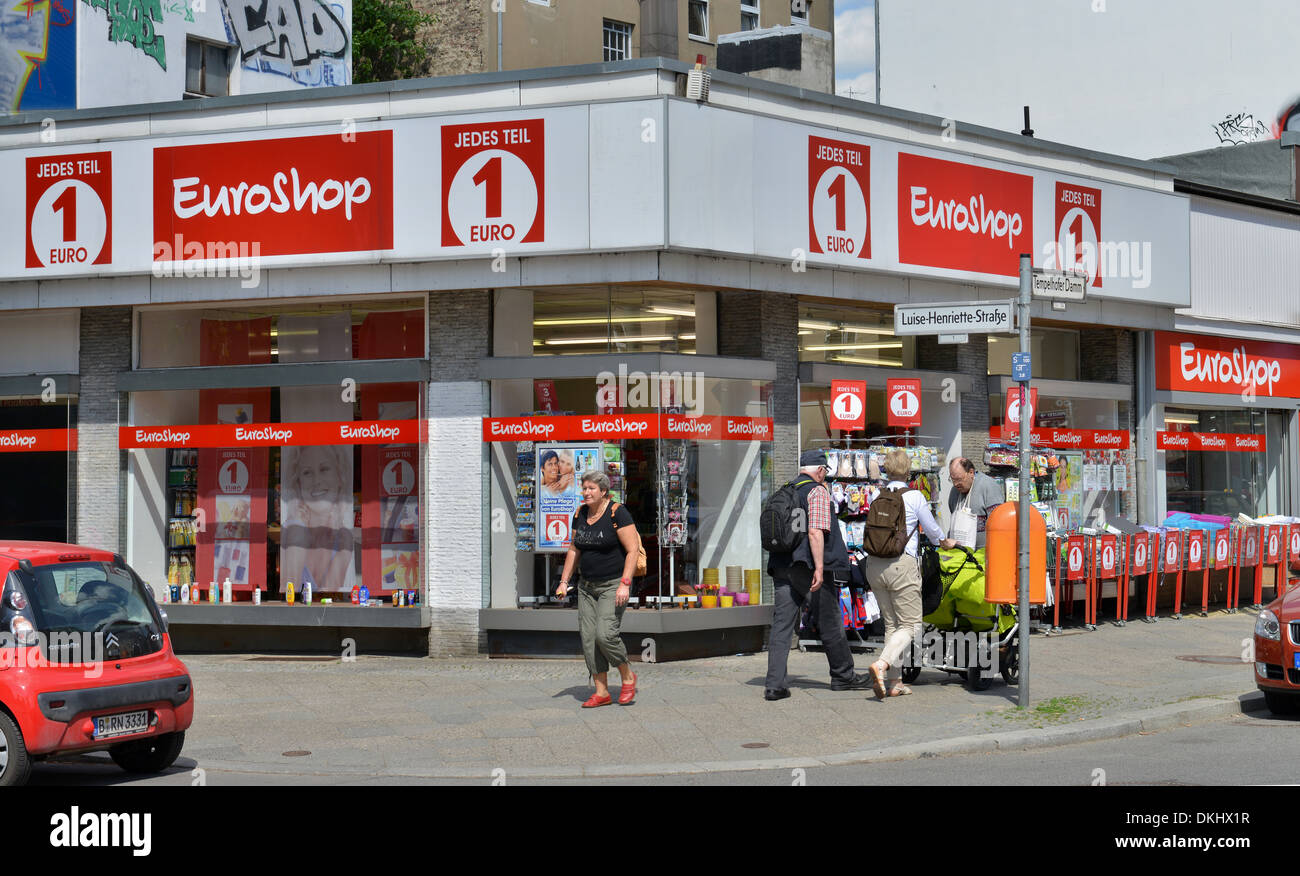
(896, 581)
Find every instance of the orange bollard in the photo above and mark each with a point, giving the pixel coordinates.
(1003, 556)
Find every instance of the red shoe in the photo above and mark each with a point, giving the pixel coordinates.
(627, 692)
(595, 701)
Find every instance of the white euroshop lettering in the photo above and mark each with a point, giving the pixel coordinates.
(747, 428)
(1060, 439)
(955, 215)
(166, 436)
(372, 431)
(1240, 369)
(616, 426)
(1104, 439)
(268, 433)
(255, 198)
(14, 439)
(1213, 441)
(689, 427)
(1173, 440)
(528, 428)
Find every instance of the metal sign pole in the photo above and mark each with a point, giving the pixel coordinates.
(1025, 508)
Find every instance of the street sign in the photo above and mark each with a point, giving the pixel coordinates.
(954, 339)
(981, 317)
(1059, 285)
(1020, 366)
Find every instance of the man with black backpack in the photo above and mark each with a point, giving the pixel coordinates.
(816, 562)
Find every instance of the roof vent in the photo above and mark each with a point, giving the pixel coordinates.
(697, 81)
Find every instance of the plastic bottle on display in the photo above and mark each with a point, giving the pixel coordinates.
(185, 593)
(257, 596)
(356, 595)
(213, 592)
(364, 595)
(288, 593)
(166, 594)
(226, 590)
(306, 593)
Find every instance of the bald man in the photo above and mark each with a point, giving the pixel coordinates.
(974, 491)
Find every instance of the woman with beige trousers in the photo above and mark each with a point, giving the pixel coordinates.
(896, 581)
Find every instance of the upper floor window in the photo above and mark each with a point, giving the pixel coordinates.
(749, 14)
(800, 11)
(207, 69)
(618, 41)
(697, 19)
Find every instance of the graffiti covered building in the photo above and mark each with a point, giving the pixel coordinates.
(69, 54)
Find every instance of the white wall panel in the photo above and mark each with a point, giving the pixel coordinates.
(1245, 264)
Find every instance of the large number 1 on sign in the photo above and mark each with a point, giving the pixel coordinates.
(490, 173)
(836, 191)
(66, 204)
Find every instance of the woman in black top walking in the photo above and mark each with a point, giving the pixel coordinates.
(604, 546)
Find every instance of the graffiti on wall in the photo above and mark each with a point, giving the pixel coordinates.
(1239, 128)
(135, 22)
(305, 40)
(38, 55)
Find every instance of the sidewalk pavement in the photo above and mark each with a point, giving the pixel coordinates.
(420, 717)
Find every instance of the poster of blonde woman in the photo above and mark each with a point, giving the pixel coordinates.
(317, 543)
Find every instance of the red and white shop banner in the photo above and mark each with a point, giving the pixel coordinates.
(273, 434)
(1210, 441)
(903, 402)
(290, 196)
(963, 217)
(848, 404)
(1204, 363)
(839, 198)
(1293, 539)
(1013, 412)
(1076, 551)
(1078, 230)
(1107, 556)
(1141, 559)
(624, 427)
(545, 392)
(70, 210)
(1073, 439)
(1250, 546)
(38, 440)
(1222, 547)
(494, 183)
(1173, 550)
(1273, 545)
(1195, 550)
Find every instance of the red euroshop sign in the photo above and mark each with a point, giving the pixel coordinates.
(1141, 553)
(1173, 550)
(494, 183)
(1107, 555)
(623, 427)
(1273, 545)
(903, 402)
(1195, 551)
(1204, 363)
(290, 196)
(1074, 439)
(1012, 411)
(963, 217)
(70, 210)
(1210, 441)
(1293, 537)
(1075, 555)
(272, 434)
(839, 198)
(848, 404)
(38, 440)
(1222, 548)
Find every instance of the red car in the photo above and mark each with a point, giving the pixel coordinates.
(86, 663)
(1277, 653)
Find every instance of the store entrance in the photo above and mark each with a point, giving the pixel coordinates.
(1222, 482)
(34, 501)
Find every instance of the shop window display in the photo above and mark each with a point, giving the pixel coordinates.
(1054, 353)
(694, 499)
(850, 335)
(1227, 483)
(613, 320)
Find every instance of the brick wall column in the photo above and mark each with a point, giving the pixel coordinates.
(455, 494)
(971, 359)
(101, 503)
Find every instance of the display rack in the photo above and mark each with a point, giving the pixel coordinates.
(182, 500)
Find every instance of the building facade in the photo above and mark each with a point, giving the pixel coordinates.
(373, 339)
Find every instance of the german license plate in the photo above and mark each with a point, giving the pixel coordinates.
(1296, 656)
(122, 724)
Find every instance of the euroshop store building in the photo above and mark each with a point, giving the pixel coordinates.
(374, 338)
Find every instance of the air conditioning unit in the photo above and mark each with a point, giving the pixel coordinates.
(697, 81)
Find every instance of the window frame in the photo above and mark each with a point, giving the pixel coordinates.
(204, 46)
(611, 26)
(748, 8)
(806, 17)
(690, 34)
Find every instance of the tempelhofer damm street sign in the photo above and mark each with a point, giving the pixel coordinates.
(980, 317)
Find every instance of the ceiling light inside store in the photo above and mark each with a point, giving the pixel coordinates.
(675, 311)
(600, 320)
(606, 340)
(856, 360)
(844, 327)
(1186, 421)
(883, 345)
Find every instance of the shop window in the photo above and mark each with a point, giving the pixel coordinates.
(1228, 483)
(173, 338)
(313, 510)
(695, 499)
(601, 320)
(1054, 353)
(852, 336)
